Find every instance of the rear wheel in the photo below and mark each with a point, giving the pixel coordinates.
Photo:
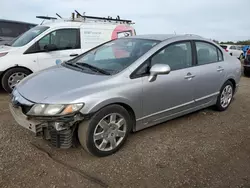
(106, 131)
(13, 77)
(225, 97)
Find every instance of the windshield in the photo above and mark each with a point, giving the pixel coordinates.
(28, 36)
(116, 55)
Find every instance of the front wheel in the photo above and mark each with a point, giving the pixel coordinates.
(106, 131)
(12, 77)
(225, 97)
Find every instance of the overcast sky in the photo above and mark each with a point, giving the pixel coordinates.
(216, 19)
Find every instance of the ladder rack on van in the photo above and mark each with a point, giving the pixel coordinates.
(117, 19)
(83, 18)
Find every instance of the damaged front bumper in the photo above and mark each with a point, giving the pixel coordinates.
(59, 130)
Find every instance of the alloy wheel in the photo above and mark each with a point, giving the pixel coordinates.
(110, 132)
(226, 96)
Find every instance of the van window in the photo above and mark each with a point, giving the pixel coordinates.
(232, 47)
(207, 53)
(63, 39)
(29, 36)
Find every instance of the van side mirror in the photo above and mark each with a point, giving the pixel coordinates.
(158, 69)
(50, 47)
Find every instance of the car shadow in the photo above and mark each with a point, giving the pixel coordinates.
(2, 91)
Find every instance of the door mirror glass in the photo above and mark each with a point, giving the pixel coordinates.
(158, 69)
(50, 47)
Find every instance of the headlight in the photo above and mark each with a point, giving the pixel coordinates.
(54, 109)
(3, 54)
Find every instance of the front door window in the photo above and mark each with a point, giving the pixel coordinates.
(62, 39)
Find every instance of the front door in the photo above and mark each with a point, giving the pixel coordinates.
(169, 94)
(66, 43)
(209, 72)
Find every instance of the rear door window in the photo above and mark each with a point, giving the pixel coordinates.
(207, 53)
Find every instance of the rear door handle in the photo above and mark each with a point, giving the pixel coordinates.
(189, 76)
(220, 69)
(73, 55)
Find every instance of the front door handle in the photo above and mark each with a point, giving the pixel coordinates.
(220, 69)
(189, 76)
(73, 55)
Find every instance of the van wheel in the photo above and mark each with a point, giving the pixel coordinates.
(13, 77)
(106, 131)
(225, 97)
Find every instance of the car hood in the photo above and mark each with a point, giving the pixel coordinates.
(58, 84)
(4, 48)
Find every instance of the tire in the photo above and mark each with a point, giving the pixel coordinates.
(87, 130)
(20, 73)
(222, 106)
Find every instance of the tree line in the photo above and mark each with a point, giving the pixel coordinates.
(244, 42)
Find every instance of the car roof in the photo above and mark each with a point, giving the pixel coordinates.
(15, 21)
(162, 37)
(60, 23)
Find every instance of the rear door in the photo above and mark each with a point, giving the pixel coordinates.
(209, 72)
(67, 43)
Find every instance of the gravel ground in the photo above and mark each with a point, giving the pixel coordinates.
(203, 149)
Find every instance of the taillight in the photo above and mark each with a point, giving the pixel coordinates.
(3, 54)
(248, 52)
(226, 50)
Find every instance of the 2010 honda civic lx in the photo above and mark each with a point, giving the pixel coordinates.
(122, 86)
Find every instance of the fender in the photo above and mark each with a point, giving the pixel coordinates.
(107, 102)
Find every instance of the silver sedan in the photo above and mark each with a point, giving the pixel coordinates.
(124, 85)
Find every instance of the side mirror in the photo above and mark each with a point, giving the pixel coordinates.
(50, 47)
(158, 69)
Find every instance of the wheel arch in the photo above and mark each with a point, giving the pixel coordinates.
(118, 101)
(17, 66)
(232, 80)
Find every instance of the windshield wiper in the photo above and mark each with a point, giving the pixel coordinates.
(96, 69)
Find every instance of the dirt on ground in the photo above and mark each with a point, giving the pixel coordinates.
(203, 149)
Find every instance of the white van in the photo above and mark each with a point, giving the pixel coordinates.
(54, 42)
